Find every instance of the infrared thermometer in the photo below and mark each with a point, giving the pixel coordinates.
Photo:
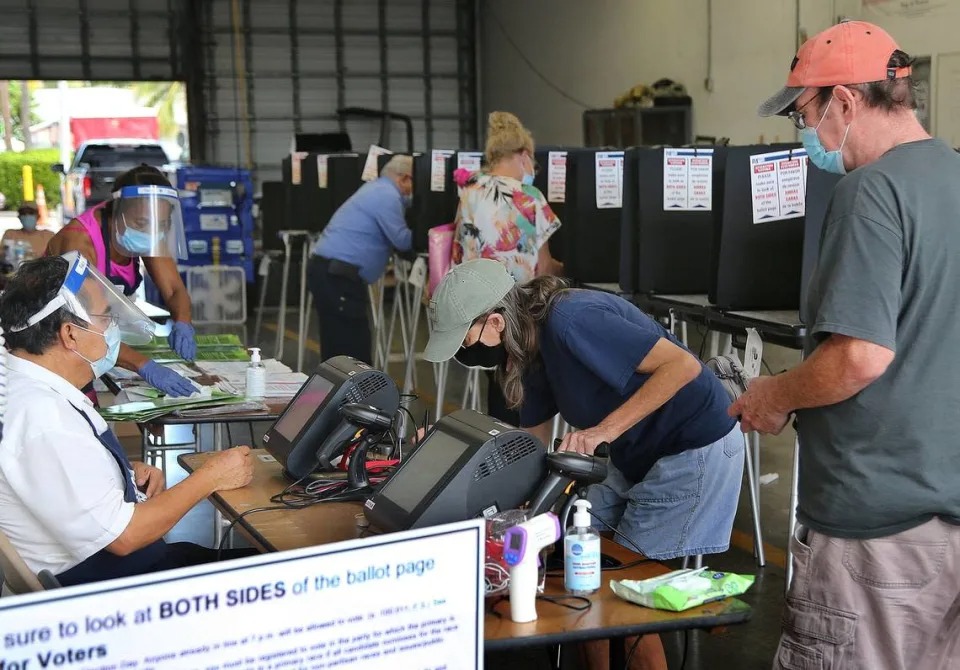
(521, 551)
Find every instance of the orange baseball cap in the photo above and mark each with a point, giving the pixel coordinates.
(851, 52)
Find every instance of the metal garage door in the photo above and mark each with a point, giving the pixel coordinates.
(93, 39)
(278, 67)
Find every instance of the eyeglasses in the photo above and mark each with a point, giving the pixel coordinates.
(796, 115)
(106, 320)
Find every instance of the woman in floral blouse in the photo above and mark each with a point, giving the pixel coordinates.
(503, 216)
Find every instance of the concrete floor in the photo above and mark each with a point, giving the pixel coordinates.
(747, 647)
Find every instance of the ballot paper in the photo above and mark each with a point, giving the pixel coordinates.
(227, 368)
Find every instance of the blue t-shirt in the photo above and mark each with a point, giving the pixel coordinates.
(366, 228)
(590, 346)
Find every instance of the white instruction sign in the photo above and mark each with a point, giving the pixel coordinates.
(469, 160)
(296, 174)
(322, 170)
(609, 179)
(778, 182)
(557, 176)
(404, 600)
(370, 169)
(688, 180)
(438, 169)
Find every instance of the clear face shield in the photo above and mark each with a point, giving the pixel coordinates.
(147, 221)
(91, 297)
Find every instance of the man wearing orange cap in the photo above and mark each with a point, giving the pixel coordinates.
(877, 547)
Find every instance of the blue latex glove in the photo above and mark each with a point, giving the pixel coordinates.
(182, 341)
(166, 380)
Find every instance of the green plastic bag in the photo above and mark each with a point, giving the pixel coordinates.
(682, 589)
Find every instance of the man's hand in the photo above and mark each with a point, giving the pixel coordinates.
(230, 469)
(148, 479)
(586, 441)
(757, 410)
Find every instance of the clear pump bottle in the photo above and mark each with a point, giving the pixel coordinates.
(581, 553)
(256, 376)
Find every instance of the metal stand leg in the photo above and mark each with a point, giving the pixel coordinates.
(755, 443)
(754, 501)
(265, 275)
(409, 374)
(683, 333)
(284, 282)
(442, 372)
(219, 523)
(714, 348)
(303, 316)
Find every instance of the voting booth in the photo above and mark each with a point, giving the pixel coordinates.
(759, 252)
(273, 214)
(672, 198)
(594, 200)
(552, 179)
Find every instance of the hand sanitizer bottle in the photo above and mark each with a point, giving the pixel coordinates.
(256, 376)
(581, 553)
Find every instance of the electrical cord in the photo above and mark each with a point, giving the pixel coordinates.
(533, 68)
(617, 533)
(586, 603)
(226, 531)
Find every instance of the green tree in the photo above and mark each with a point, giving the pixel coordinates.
(16, 112)
(164, 96)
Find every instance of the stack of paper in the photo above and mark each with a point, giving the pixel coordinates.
(209, 348)
(147, 410)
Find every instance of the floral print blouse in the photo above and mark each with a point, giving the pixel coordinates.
(502, 219)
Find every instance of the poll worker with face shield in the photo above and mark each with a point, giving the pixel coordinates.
(614, 373)
(36, 239)
(142, 220)
(70, 500)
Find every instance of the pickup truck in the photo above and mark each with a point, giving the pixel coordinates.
(96, 166)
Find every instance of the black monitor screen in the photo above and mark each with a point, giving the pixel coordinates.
(297, 414)
(427, 465)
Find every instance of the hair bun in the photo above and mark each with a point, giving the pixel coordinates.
(503, 121)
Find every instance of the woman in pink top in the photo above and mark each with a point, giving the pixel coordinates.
(107, 236)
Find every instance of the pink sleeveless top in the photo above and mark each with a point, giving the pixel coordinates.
(129, 274)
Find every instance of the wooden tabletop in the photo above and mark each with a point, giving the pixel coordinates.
(608, 616)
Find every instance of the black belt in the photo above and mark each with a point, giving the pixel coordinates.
(340, 268)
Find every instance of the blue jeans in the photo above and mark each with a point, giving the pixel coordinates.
(684, 506)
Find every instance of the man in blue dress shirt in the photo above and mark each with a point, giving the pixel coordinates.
(353, 252)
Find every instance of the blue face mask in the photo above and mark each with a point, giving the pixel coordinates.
(29, 222)
(407, 201)
(136, 241)
(103, 365)
(828, 161)
(527, 179)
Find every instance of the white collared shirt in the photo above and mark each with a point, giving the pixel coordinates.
(61, 491)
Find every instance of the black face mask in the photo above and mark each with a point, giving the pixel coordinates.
(480, 355)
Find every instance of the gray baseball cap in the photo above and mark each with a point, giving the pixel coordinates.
(468, 291)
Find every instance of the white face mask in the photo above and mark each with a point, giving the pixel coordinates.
(106, 362)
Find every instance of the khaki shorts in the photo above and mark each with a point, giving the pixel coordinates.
(892, 603)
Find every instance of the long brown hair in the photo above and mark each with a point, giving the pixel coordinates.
(524, 309)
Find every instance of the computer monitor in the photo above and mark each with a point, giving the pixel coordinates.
(297, 435)
(468, 465)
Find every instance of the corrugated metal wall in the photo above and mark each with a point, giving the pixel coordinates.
(279, 67)
(258, 71)
(92, 39)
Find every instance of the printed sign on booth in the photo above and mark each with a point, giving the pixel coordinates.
(609, 186)
(778, 185)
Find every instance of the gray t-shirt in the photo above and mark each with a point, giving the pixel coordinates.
(888, 458)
